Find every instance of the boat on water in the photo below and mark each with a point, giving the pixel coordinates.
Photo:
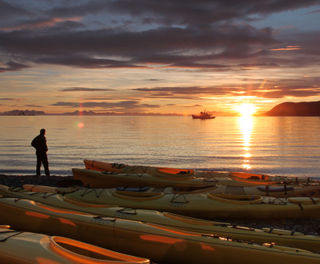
(203, 115)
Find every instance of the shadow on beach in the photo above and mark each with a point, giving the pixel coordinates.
(55, 181)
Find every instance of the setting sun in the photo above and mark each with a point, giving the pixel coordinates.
(246, 109)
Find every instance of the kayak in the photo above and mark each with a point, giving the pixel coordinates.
(263, 190)
(204, 205)
(137, 176)
(123, 168)
(284, 190)
(25, 247)
(245, 176)
(223, 177)
(159, 172)
(223, 229)
(155, 242)
(106, 179)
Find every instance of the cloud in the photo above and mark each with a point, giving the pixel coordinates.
(182, 12)
(124, 105)
(82, 61)
(32, 105)
(287, 48)
(186, 92)
(153, 80)
(41, 23)
(84, 89)
(7, 11)
(205, 35)
(7, 99)
(270, 89)
(94, 48)
(314, 12)
(13, 66)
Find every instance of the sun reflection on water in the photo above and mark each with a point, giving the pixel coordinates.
(246, 126)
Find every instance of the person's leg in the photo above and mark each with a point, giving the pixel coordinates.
(38, 165)
(46, 165)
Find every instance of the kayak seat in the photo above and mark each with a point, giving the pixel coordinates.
(275, 188)
(133, 189)
(236, 199)
(137, 196)
(191, 220)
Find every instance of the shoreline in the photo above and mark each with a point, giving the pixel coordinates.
(20, 180)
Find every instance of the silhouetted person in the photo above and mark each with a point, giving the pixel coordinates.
(40, 144)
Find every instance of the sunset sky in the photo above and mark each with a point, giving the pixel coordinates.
(158, 56)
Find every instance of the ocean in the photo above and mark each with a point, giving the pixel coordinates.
(288, 146)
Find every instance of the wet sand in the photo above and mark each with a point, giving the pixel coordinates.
(306, 226)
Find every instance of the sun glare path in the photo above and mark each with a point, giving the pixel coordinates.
(80, 125)
(246, 109)
(246, 126)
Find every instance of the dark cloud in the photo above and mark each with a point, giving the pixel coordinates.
(192, 90)
(153, 80)
(79, 9)
(7, 99)
(183, 12)
(84, 89)
(64, 23)
(81, 48)
(271, 89)
(108, 105)
(206, 34)
(189, 93)
(13, 66)
(7, 11)
(81, 61)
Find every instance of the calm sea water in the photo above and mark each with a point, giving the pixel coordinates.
(274, 145)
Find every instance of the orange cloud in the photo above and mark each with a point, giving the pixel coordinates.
(288, 48)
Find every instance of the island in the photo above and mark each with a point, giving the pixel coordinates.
(295, 109)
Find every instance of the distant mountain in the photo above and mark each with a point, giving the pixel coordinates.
(22, 113)
(296, 109)
(80, 113)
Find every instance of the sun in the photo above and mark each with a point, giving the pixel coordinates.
(246, 109)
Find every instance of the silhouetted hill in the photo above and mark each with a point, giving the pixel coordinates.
(80, 113)
(296, 109)
(22, 113)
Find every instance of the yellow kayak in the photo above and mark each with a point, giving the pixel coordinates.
(284, 190)
(24, 247)
(206, 205)
(106, 179)
(223, 177)
(262, 190)
(158, 243)
(270, 235)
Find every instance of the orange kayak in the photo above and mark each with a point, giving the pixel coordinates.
(220, 177)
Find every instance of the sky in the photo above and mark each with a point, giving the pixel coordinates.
(151, 56)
